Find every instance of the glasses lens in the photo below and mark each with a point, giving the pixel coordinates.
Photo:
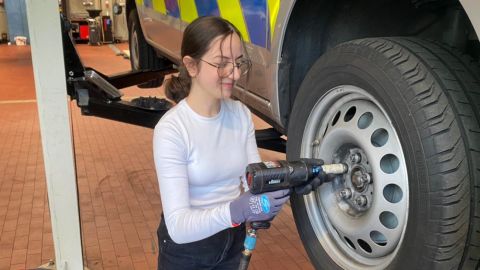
(244, 67)
(225, 69)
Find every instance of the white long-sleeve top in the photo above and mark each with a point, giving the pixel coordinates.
(200, 163)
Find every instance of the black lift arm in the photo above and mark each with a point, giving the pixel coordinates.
(99, 95)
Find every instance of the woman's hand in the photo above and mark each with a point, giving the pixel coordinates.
(258, 207)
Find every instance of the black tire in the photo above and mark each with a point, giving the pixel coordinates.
(142, 54)
(429, 98)
(432, 3)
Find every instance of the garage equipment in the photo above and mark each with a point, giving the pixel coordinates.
(107, 29)
(276, 175)
(94, 30)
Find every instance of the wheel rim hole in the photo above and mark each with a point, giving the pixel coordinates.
(349, 242)
(389, 220)
(392, 193)
(379, 137)
(365, 120)
(389, 163)
(335, 119)
(378, 238)
(365, 246)
(350, 114)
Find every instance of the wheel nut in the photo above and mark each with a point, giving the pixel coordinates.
(355, 158)
(361, 200)
(365, 179)
(346, 194)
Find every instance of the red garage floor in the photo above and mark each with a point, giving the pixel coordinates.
(119, 198)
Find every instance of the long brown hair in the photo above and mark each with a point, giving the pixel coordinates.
(196, 41)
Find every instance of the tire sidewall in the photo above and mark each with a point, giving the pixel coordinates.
(363, 67)
(146, 57)
(134, 29)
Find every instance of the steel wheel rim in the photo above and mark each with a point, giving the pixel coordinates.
(346, 239)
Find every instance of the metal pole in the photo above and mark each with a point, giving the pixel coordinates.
(53, 111)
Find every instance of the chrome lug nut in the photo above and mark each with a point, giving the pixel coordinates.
(355, 158)
(361, 200)
(360, 181)
(365, 178)
(345, 193)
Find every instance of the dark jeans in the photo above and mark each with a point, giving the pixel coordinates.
(220, 251)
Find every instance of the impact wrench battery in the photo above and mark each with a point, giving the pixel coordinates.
(275, 175)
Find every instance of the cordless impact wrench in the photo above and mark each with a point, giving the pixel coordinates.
(276, 175)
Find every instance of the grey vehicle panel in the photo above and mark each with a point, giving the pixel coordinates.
(164, 33)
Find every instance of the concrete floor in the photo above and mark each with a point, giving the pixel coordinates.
(118, 190)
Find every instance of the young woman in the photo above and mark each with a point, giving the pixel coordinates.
(201, 149)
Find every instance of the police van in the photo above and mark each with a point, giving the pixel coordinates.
(390, 87)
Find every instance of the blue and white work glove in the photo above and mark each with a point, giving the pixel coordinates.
(259, 207)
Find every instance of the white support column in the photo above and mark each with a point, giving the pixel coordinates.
(53, 111)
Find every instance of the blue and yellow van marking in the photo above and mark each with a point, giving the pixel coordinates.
(255, 13)
(159, 6)
(255, 19)
(273, 8)
(172, 8)
(231, 10)
(188, 10)
(206, 8)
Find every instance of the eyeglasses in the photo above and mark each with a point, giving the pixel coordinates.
(224, 69)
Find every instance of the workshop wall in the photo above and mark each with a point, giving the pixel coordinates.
(76, 10)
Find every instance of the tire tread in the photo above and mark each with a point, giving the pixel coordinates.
(460, 78)
(445, 118)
